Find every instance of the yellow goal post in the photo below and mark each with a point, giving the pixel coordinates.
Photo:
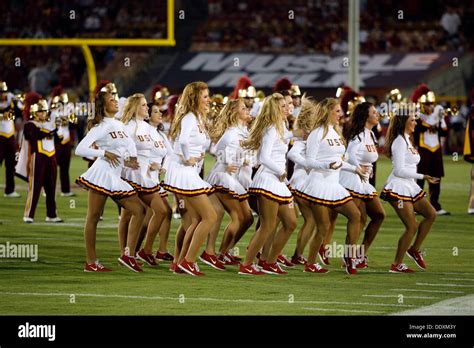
(84, 44)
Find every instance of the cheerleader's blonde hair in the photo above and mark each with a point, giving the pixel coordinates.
(187, 102)
(269, 115)
(227, 118)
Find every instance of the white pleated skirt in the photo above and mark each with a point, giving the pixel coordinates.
(323, 187)
(396, 189)
(105, 179)
(267, 184)
(297, 181)
(226, 183)
(140, 179)
(185, 180)
(244, 176)
(356, 187)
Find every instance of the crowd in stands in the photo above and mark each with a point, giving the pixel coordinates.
(309, 26)
(40, 67)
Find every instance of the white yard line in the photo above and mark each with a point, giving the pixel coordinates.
(455, 306)
(341, 310)
(449, 285)
(463, 279)
(202, 299)
(396, 296)
(431, 291)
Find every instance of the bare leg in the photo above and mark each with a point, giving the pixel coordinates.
(136, 207)
(158, 207)
(95, 206)
(288, 218)
(165, 227)
(214, 231)
(424, 208)
(321, 216)
(125, 217)
(376, 213)
(308, 226)
(234, 209)
(208, 217)
(268, 211)
(406, 214)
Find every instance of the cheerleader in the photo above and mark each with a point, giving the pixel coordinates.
(403, 193)
(324, 151)
(134, 114)
(287, 112)
(229, 128)
(297, 155)
(159, 157)
(114, 150)
(469, 150)
(182, 177)
(37, 160)
(362, 151)
(274, 198)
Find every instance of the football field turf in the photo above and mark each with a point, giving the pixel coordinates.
(56, 285)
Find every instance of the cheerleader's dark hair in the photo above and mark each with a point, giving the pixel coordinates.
(160, 126)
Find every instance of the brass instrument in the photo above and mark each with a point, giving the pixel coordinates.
(8, 115)
(62, 100)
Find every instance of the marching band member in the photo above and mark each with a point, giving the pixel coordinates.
(430, 126)
(274, 198)
(402, 192)
(223, 176)
(244, 90)
(114, 150)
(37, 161)
(168, 112)
(7, 139)
(182, 177)
(63, 140)
(297, 154)
(362, 151)
(296, 98)
(159, 96)
(134, 114)
(325, 148)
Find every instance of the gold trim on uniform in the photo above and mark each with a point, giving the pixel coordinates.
(270, 195)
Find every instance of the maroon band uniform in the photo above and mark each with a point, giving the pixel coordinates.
(42, 168)
(7, 143)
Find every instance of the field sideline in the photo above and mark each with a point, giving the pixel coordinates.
(56, 284)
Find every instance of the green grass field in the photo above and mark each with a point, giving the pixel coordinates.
(46, 286)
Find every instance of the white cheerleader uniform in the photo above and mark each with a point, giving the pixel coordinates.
(322, 184)
(244, 174)
(140, 179)
(361, 151)
(192, 141)
(161, 153)
(401, 184)
(272, 158)
(228, 152)
(297, 155)
(109, 135)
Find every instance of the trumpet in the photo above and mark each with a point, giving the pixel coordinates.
(451, 111)
(65, 120)
(8, 115)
